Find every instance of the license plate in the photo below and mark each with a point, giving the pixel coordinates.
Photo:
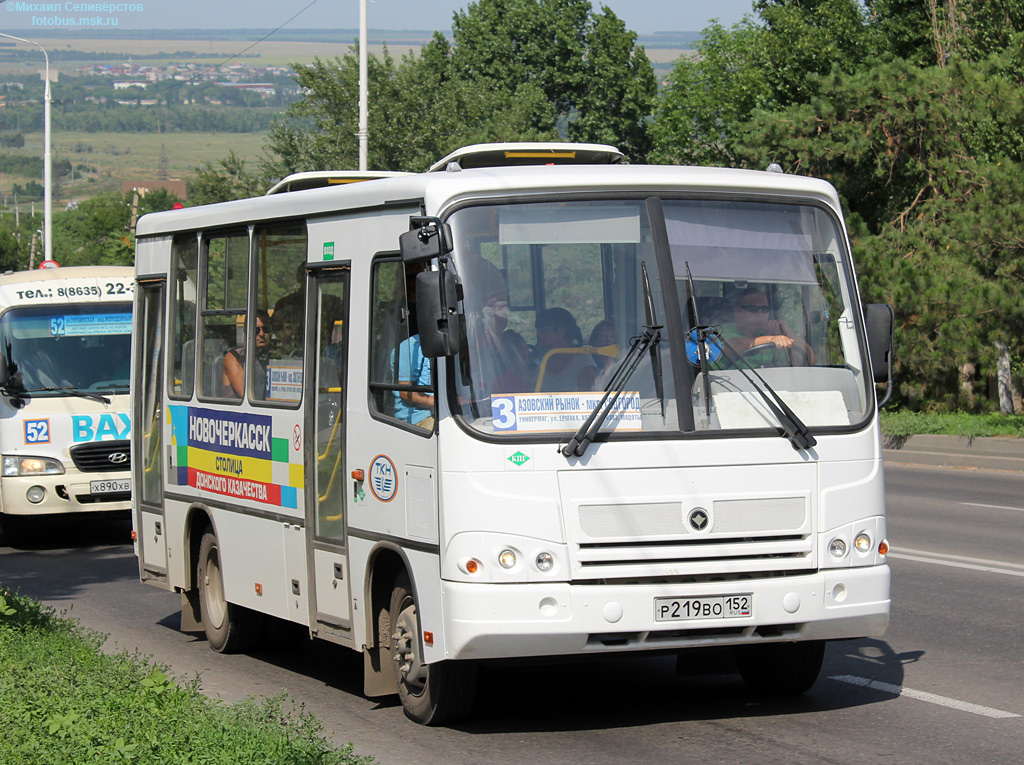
(711, 607)
(117, 486)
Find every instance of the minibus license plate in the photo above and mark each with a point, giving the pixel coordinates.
(118, 486)
(712, 607)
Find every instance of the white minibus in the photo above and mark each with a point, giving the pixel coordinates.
(533, 403)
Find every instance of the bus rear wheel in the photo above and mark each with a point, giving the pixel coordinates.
(780, 669)
(431, 694)
(229, 628)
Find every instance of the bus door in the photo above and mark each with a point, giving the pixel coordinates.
(326, 509)
(147, 466)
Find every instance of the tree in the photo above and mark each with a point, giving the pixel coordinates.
(767, 66)
(588, 66)
(225, 180)
(929, 162)
(710, 95)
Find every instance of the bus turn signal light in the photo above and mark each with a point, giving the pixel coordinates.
(883, 547)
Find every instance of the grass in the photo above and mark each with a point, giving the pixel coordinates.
(114, 158)
(63, 700)
(901, 424)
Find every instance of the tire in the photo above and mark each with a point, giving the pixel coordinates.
(780, 669)
(229, 628)
(431, 694)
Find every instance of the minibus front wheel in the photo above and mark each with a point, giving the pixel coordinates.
(229, 628)
(431, 694)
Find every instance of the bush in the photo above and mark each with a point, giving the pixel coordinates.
(904, 423)
(63, 700)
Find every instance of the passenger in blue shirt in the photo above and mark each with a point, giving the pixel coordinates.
(414, 407)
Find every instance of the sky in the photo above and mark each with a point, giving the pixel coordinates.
(641, 16)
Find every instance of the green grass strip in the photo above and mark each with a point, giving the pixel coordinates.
(63, 700)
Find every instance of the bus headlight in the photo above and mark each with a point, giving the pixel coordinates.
(507, 559)
(17, 465)
(837, 548)
(35, 494)
(545, 562)
(862, 542)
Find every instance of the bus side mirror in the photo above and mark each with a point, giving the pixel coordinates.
(880, 319)
(437, 296)
(428, 240)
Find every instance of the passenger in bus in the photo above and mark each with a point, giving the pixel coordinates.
(567, 369)
(751, 326)
(603, 336)
(412, 367)
(289, 318)
(233, 378)
(520, 374)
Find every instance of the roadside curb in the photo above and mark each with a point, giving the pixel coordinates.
(952, 451)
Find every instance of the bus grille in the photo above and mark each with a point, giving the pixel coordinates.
(641, 540)
(102, 457)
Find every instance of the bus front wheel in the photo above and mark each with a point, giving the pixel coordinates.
(229, 628)
(431, 694)
(780, 669)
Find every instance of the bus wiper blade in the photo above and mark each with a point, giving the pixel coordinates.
(67, 389)
(584, 436)
(649, 337)
(793, 427)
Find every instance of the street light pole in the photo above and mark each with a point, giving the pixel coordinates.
(47, 158)
(363, 97)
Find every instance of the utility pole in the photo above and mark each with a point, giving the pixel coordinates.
(47, 157)
(363, 89)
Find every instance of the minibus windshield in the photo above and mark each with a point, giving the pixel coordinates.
(554, 297)
(64, 349)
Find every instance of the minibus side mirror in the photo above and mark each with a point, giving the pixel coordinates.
(428, 240)
(880, 319)
(437, 295)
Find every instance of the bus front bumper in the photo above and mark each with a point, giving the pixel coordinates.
(492, 621)
(71, 492)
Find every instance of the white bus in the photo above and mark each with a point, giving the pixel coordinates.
(494, 412)
(65, 340)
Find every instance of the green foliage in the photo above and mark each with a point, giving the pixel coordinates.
(62, 699)
(586, 64)
(710, 95)
(98, 231)
(225, 180)
(903, 423)
(517, 70)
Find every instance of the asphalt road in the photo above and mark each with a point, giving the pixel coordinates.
(945, 684)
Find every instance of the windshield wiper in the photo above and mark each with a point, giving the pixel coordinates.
(71, 390)
(792, 426)
(649, 338)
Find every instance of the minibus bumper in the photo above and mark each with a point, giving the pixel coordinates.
(494, 621)
(70, 492)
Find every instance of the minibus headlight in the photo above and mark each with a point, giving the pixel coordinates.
(545, 562)
(862, 543)
(837, 548)
(35, 494)
(16, 465)
(507, 559)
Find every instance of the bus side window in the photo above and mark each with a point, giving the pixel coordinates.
(396, 362)
(281, 292)
(224, 306)
(185, 253)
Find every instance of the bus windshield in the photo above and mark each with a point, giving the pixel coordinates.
(554, 297)
(59, 348)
